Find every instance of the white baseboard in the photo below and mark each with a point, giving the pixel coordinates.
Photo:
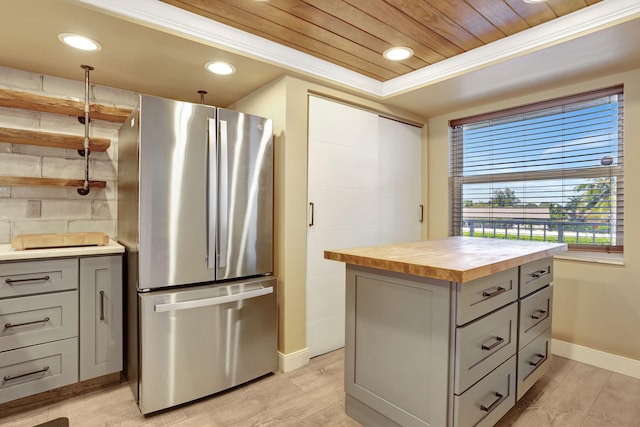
(600, 359)
(297, 359)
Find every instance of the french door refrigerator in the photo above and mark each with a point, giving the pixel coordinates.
(195, 214)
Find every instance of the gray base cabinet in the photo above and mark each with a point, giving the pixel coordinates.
(62, 321)
(100, 316)
(427, 352)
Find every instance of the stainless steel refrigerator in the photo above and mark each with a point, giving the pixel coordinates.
(195, 214)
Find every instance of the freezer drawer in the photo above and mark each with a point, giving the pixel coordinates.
(202, 340)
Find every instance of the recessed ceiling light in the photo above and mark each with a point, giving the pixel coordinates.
(221, 68)
(534, 1)
(79, 42)
(398, 53)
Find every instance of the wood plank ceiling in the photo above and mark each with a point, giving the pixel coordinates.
(355, 33)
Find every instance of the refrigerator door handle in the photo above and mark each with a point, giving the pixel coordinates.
(212, 185)
(206, 302)
(224, 196)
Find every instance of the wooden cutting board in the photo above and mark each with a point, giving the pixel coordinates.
(58, 240)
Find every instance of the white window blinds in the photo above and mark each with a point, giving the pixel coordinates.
(551, 171)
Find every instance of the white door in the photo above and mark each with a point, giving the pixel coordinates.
(363, 189)
(399, 181)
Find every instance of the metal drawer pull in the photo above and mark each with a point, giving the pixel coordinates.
(541, 358)
(11, 325)
(101, 305)
(538, 316)
(498, 291)
(539, 273)
(40, 371)
(35, 279)
(494, 345)
(491, 407)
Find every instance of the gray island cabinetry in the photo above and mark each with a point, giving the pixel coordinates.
(448, 332)
(61, 317)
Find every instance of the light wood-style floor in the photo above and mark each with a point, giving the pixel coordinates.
(571, 394)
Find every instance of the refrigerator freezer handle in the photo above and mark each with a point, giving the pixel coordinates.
(224, 196)
(205, 302)
(212, 186)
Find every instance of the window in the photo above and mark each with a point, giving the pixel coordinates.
(551, 171)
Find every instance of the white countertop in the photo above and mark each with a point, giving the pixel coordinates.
(7, 253)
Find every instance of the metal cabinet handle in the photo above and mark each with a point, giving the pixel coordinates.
(11, 325)
(498, 291)
(421, 213)
(494, 345)
(312, 211)
(537, 316)
(34, 279)
(15, 377)
(495, 403)
(101, 305)
(538, 274)
(541, 358)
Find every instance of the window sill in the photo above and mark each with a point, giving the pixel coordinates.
(592, 257)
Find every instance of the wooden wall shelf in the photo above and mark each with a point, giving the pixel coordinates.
(44, 104)
(29, 181)
(56, 140)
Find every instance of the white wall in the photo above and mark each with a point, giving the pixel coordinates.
(63, 209)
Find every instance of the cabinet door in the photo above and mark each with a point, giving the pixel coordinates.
(397, 346)
(100, 316)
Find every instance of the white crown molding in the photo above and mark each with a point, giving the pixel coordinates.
(165, 17)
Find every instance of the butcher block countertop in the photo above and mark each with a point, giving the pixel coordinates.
(456, 259)
(7, 253)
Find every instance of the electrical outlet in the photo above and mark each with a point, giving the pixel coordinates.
(33, 208)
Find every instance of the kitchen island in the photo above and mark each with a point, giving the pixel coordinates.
(446, 332)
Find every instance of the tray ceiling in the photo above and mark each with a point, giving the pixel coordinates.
(153, 47)
(355, 33)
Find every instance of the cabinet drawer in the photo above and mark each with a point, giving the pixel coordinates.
(483, 345)
(487, 401)
(481, 296)
(535, 315)
(535, 275)
(36, 277)
(38, 368)
(38, 319)
(533, 362)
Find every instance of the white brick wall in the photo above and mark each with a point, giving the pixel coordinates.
(63, 209)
